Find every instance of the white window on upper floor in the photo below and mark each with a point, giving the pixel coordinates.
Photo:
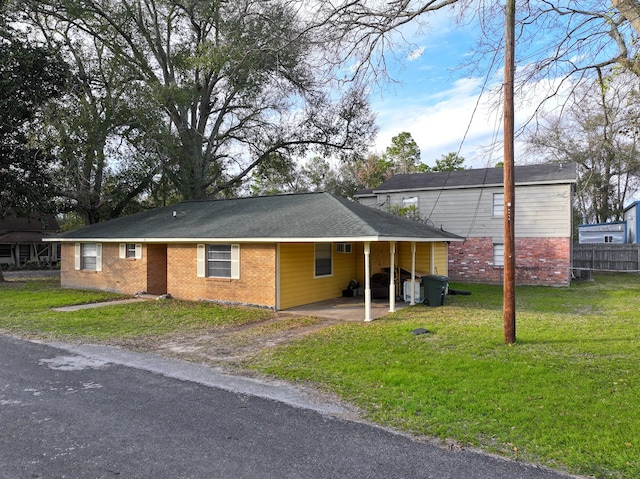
(498, 205)
(410, 201)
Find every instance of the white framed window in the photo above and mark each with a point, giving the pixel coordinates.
(131, 250)
(498, 205)
(88, 256)
(498, 254)
(219, 261)
(608, 239)
(343, 247)
(410, 201)
(323, 259)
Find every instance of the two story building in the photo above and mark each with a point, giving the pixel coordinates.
(470, 203)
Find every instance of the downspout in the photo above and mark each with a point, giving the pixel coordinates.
(413, 273)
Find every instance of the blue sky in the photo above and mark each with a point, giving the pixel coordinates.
(434, 100)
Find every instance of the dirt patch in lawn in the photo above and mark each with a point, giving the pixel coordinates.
(228, 346)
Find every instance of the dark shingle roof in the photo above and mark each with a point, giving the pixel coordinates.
(529, 174)
(309, 216)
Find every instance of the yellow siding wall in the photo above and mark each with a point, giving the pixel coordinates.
(423, 258)
(298, 285)
(380, 258)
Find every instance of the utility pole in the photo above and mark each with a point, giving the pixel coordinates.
(509, 295)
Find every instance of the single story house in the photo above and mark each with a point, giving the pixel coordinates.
(470, 203)
(616, 232)
(21, 240)
(275, 251)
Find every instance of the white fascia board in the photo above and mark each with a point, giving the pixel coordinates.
(467, 187)
(344, 239)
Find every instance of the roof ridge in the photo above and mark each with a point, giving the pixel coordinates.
(297, 193)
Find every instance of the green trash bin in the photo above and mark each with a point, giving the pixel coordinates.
(435, 289)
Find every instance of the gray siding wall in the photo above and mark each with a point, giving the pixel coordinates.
(541, 210)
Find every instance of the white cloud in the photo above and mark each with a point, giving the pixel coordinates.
(415, 54)
(438, 121)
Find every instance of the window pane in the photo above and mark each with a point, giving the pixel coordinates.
(89, 256)
(323, 259)
(219, 260)
(131, 250)
(89, 262)
(498, 255)
(498, 205)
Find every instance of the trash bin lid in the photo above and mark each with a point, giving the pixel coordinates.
(435, 277)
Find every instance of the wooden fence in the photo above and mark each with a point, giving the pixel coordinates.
(606, 257)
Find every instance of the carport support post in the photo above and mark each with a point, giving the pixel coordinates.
(367, 281)
(413, 273)
(392, 278)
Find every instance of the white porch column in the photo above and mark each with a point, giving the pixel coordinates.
(413, 273)
(432, 260)
(367, 281)
(392, 278)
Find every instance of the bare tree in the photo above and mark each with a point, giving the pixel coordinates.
(236, 82)
(600, 132)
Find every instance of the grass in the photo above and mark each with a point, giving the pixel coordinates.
(26, 311)
(566, 395)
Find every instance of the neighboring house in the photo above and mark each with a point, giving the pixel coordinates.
(632, 221)
(274, 251)
(616, 232)
(470, 203)
(21, 240)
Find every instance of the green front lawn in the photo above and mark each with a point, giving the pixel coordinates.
(566, 395)
(26, 310)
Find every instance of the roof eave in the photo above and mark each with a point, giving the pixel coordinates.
(338, 239)
(460, 187)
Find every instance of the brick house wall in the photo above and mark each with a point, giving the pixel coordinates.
(256, 286)
(120, 275)
(538, 261)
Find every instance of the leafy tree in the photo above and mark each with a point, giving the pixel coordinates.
(282, 175)
(403, 154)
(450, 162)
(30, 76)
(237, 84)
(356, 172)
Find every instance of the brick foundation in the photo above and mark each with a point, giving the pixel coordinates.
(539, 261)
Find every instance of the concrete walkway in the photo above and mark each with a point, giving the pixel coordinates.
(346, 309)
(77, 307)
